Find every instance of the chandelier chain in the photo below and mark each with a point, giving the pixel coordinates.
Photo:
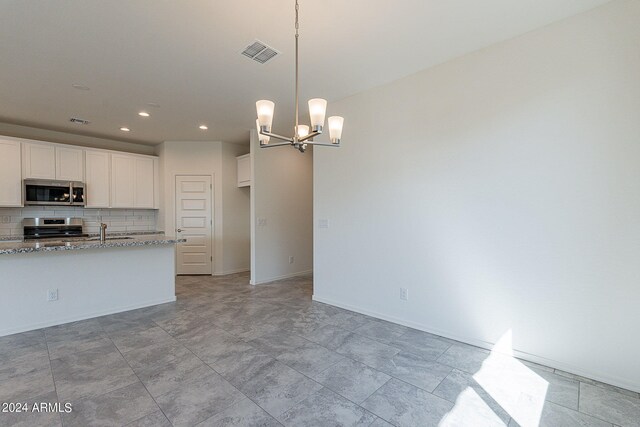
(295, 131)
(297, 9)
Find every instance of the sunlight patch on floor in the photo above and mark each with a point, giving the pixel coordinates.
(519, 390)
(512, 385)
(471, 409)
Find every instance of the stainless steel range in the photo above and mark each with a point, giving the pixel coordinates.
(49, 228)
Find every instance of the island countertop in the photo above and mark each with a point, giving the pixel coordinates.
(112, 241)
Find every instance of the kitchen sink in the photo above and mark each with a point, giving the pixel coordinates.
(94, 239)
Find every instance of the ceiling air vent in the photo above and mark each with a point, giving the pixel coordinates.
(259, 52)
(79, 121)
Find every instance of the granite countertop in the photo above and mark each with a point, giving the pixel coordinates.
(113, 241)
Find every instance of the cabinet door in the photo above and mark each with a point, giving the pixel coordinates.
(10, 174)
(39, 161)
(98, 178)
(69, 164)
(122, 181)
(144, 182)
(244, 170)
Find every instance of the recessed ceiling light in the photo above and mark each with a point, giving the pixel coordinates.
(143, 114)
(124, 129)
(80, 87)
(203, 127)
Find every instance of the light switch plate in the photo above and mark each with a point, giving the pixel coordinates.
(323, 223)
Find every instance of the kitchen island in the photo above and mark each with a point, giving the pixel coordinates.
(49, 283)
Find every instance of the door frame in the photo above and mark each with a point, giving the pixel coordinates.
(213, 219)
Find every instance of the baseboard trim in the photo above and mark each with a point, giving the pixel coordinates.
(225, 273)
(286, 276)
(84, 316)
(598, 376)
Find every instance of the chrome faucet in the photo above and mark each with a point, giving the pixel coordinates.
(103, 232)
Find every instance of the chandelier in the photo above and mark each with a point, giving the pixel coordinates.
(301, 135)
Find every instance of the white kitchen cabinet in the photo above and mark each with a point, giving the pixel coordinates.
(123, 174)
(69, 164)
(156, 183)
(133, 181)
(144, 182)
(39, 161)
(48, 161)
(98, 178)
(244, 170)
(10, 173)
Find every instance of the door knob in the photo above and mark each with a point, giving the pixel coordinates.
(179, 230)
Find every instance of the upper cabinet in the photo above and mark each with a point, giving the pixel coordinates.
(10, 173)
(113, 179)
(98, 178)
(39, 161)
(47, 161)
(134, 181)
(144, 182)
(70, 164)
(244, 170)
(122, 185)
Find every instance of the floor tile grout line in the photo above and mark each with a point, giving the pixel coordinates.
(53, 377)
(143, 385)
(218, 373)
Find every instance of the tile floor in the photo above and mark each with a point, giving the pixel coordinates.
(228, 354)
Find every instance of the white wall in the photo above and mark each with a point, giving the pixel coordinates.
(501, 189)
(281, 194)
(206, 158)
(236, 218)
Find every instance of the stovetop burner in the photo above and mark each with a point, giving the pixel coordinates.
(52, 228)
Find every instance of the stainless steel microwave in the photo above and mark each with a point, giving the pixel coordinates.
(53, 193)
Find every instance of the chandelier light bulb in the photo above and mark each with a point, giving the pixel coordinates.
(303, 130)
(265, 113)
(264, 139)
(335, 128)
(317, 111)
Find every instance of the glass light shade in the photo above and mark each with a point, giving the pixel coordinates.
(264, 139)
(317, 111)
(335, 127)
(303, 130)
(265, 112)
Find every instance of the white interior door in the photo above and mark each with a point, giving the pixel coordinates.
(194, 223)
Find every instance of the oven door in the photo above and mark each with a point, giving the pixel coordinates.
(43, 192)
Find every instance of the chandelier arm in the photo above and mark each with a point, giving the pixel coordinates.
(275, 135)
(277, 144)
(311, 135)
(323, 144)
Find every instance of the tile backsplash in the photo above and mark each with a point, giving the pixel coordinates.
(117, 220)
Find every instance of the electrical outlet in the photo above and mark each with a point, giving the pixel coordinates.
(6, 219)
(291, 259)
(262, 222)
(52, 295)
(404, 294)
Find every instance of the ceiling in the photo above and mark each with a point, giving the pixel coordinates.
(184, 56)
